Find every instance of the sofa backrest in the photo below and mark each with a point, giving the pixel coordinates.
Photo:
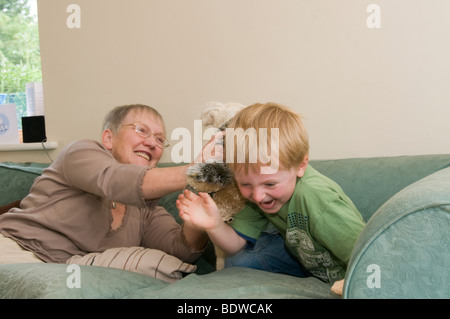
(370, 182)
(16, 180)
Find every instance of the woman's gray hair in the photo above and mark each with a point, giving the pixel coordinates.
(114, 118)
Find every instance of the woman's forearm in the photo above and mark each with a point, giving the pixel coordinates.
(160, 181)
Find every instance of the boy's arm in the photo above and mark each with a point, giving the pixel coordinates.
(226, 238)
(201, 211)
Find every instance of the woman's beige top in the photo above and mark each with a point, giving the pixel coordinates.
(68, 210)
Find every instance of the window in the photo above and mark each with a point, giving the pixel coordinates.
(20, 61)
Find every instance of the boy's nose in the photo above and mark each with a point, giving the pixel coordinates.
(258, 195)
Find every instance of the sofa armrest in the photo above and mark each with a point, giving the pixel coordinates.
(403, 250)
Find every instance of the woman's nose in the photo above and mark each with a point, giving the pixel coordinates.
(150, 141)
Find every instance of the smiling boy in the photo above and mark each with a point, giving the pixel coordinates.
(296, 221)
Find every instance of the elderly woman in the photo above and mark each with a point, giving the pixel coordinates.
(97, 196)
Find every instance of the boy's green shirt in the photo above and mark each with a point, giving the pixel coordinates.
(320, 225)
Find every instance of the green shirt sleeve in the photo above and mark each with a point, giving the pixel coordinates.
(338, 228)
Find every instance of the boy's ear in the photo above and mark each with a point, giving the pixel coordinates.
(302, 167)
(107, 137)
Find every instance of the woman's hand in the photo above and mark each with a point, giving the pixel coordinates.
(213, 150)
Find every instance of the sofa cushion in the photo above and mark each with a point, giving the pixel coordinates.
(403, 251)
(59, 281)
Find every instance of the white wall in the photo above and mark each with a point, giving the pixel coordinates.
(363, 92)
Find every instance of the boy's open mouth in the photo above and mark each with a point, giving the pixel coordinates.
(267, 204)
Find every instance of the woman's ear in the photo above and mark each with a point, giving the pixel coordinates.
(302, 167)
(107, 137)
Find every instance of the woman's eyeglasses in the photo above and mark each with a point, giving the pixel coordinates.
(143, 131)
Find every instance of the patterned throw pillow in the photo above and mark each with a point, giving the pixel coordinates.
(150, 262)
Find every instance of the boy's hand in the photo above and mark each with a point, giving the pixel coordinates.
(200, 210)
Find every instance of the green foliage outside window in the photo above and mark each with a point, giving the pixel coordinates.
(20, 60)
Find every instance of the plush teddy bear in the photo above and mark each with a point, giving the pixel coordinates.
(216, 178)
(216, 114)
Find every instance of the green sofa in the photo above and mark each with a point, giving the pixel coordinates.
(402, 253)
